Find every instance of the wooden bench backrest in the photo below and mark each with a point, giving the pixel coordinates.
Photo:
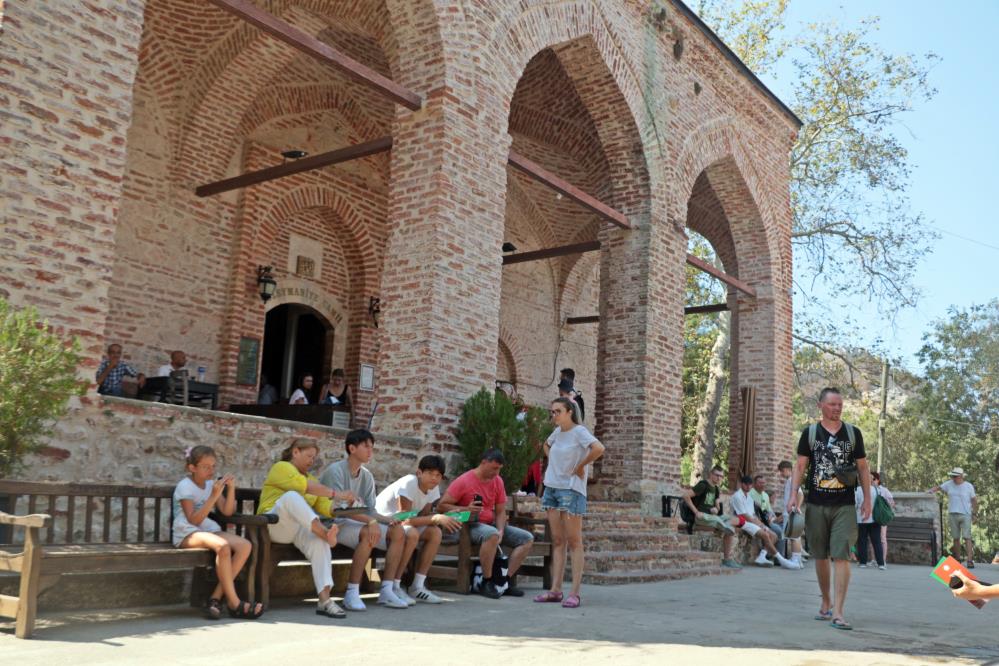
(911, 528)
(120, 514)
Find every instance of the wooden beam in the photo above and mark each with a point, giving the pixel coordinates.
(705, 309)
(297, 166)
(592, 319)
(700, 264)
(548, 253)
(323, 52)
(542, 175)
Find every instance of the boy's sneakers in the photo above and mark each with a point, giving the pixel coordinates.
(401, 593)
(762, 561)
(786, 563)
(424, 595)
(352, 602)
(388, 599)
(731, 564)
(488, 589)
(882, 567)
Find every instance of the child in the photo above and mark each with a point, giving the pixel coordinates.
(367, 531)
(418, 492)
(193, 499)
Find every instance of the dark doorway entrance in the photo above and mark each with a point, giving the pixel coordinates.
(297, 340)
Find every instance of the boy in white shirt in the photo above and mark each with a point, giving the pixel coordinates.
(744, 508)
(418, 492)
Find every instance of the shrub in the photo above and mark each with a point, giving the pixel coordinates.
(489, 420)
(37, 378)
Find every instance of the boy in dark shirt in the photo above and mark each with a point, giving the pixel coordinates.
(702, 500)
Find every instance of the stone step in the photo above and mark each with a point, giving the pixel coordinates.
(642, 560)
(592, 506)
(653, 575)
(615, 540)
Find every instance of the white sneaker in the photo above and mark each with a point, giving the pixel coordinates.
(882, 567)
(424, 595)
(352, 602)
(401, 593)
(762, 560)
(862, 566)
(786, 563)
(805, 554)
(387, 598)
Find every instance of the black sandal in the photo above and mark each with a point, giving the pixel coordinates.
(245, 611)
(214, 609)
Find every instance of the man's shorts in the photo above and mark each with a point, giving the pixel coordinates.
(350, 533)
(720, 523)
(960, 525)
(752, 529)
(831, 531)
(479, 532)
(564, 499)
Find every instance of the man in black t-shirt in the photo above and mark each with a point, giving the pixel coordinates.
(702, 500)
(826, 450)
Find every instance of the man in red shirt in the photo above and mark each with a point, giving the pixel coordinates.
(491, 529)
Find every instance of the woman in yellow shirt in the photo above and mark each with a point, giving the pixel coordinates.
(298, 500)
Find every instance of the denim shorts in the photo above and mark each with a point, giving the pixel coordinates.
(564, 499)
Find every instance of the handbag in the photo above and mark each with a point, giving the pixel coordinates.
(882, 512)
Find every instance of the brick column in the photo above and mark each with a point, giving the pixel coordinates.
(67, 101)
(443, 266)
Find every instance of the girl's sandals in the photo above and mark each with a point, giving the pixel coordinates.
(571, 601)
(214, 609)
(840, 623)
(245, 611)
(548, 597)
(824, 615)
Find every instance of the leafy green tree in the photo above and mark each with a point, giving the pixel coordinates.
(489, 420)
(37, 378)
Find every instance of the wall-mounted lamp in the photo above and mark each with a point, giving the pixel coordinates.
(374, 308)
(266, 284)
(293, 154)
(509, 247)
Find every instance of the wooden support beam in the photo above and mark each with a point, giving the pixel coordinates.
(542, 175)
(705, 309)
(323, 52)
(700, 264)
(592, 319)
(297, 166)
(548, 253)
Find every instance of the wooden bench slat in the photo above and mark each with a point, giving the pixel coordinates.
(107, 519)
(124, 519)
(8, 606)
(50, 530)
(157, 518)
(88, 519)
(70, 510)
(142, 519)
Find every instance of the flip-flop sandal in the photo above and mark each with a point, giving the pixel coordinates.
(548, 597)
(331, 609)
(214, 609)
(571, 601)
(824, 616)
(840, 623)
(245, 611)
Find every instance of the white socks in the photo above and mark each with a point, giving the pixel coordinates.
(418, 581)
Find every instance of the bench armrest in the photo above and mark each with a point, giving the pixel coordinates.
(33, 520)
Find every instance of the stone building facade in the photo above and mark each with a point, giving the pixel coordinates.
(114, 111)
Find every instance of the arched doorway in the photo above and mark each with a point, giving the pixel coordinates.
(297, 341)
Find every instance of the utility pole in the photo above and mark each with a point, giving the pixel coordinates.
(883, 419)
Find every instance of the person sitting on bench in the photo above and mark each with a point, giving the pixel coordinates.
(701, 500)
(298, 500)
(418, 492)
(367, 531)
(744, 509)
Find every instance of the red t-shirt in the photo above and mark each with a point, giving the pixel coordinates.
(465, 486)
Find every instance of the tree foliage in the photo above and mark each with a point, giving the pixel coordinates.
(37, 378)
(489, 420)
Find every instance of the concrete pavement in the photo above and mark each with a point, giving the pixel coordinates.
(760, 616)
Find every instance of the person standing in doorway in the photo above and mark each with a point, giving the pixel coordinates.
(301, 394)
(569, 375)
(832, 455)
(962, 505)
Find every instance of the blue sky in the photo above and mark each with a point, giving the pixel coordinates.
(953, 147)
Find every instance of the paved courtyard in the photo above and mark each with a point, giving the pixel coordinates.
(760, 616)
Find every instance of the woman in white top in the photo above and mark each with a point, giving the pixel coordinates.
(570, 450)
(884, 492)
(300, 396)
(868, 530)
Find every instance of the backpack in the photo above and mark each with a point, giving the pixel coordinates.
(882, 512)
(847, 472)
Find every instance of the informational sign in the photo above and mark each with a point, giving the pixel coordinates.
(367, 378)
(246, 362)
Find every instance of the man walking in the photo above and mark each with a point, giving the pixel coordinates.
(962, 505)
(832, 453)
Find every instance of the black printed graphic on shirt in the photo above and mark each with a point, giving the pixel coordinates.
(831, 451)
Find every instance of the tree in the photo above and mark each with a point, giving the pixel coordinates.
(849, 171)
(37, 378)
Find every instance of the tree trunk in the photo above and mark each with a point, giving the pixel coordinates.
(707, 413)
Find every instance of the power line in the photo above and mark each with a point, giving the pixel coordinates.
(964, 238)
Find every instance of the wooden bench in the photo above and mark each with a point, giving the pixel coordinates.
(455, 561)
(904, 529)
(88, 528)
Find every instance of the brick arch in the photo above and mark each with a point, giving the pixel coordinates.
(518, 199)
(580, 270)
(605, 82)
(503, 352)
(511, 345)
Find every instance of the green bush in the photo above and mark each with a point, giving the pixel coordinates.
(489, 420)
(37, 378)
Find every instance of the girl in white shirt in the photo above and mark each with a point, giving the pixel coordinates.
(300, 396)
(570, 450)
(194, 498)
